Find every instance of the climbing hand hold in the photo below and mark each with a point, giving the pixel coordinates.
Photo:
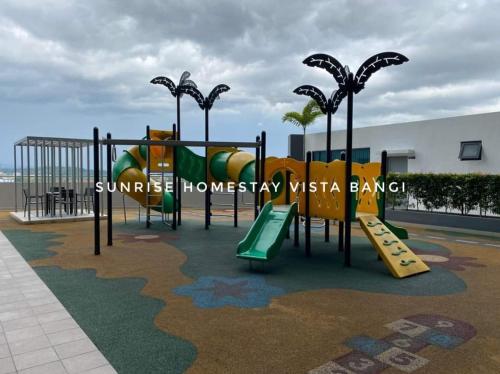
(399, 251)
(407, 262)
(382, 232)
(389, 242)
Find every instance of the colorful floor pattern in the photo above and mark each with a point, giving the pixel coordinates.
(292, 272)
(174, 302)
(398, 350)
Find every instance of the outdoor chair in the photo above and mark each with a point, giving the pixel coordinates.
(67, 199)
(31, 200)
(87, 199)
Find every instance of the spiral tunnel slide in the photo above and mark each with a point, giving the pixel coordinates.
(226, 165)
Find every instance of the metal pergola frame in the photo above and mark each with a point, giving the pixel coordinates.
(47, 165)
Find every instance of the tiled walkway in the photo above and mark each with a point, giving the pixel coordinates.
(37, 334)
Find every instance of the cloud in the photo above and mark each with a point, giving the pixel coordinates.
(97, 57)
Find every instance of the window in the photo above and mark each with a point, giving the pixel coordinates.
(319, 156)
(397, 164)
(470, 150)
(360, 155)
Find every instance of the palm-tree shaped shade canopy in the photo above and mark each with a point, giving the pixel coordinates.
(174, 90)
(208, 102)
(365, 71)
(326, 105)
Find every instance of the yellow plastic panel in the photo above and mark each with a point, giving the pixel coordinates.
(131, 176)
(328, 200)
(236, 163)
(134, 152)
(398, 258)
(281, 199)
(297, 170)
(368, 174)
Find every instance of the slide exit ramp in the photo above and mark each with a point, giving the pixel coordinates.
(263, 241)
(398, 258)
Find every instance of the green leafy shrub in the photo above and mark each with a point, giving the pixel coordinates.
(463, 192)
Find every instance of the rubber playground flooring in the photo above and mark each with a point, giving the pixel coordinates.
(163, 301)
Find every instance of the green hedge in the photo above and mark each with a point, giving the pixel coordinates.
(463, 192)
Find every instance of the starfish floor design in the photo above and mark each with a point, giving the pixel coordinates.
(242, 292)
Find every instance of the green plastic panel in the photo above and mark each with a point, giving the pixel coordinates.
(354, 201)
(218, 166)
(278, 179)
(190, 166)
(400, 232)
(168, 203)
(247, 175)
(380, 200)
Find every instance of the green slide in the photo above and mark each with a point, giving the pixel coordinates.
(400, 232)
(263, 241)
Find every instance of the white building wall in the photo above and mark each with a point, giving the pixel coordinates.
(436, 142)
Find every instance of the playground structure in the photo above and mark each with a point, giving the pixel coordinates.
(278, 208)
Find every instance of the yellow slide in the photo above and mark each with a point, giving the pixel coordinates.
(398, 258)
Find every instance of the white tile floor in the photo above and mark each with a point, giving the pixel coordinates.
(33, 219)
(37, 334)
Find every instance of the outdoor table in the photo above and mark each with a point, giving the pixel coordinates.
(51, 199)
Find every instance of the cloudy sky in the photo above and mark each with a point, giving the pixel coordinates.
(66, 66)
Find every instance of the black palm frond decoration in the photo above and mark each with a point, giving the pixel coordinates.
(375, 63)
(336, 99)
(184, 81)
(167, 83)
(183, 78)
(214, 94)
(330, 64)
(194, 93)
(315, 94)
(189, 82)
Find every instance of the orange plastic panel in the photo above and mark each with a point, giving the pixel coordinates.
(161, 157)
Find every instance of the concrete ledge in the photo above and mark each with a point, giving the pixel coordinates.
(20, 218)
(490, 224)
